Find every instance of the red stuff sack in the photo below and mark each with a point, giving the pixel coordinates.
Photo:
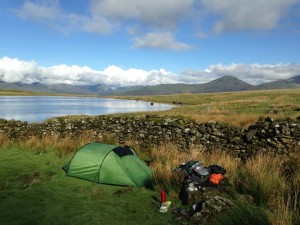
(215, 178)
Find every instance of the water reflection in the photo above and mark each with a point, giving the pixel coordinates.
(40, 108)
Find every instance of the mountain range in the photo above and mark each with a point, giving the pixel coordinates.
(223, 84)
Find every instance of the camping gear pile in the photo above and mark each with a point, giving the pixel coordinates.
(201, 191)
(198, 178)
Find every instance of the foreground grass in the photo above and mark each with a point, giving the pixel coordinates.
(35, 190)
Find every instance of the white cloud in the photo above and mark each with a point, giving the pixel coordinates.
(40, 12)
(50, 13)
(236, 15)
(255, 73)
(155, 13)
(105, 15)
(150, 20)
(15, 70)
(160, 41)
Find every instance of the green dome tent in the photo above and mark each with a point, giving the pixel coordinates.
(109, 164)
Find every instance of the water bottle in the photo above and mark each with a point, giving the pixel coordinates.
(163, 196)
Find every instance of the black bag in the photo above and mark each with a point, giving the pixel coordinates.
(217, 169)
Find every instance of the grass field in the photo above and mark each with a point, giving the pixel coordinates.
(237, 108)
(35, 190)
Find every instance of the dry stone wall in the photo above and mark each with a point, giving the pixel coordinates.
(265, 135)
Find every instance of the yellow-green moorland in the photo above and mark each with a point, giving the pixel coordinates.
(237, 108)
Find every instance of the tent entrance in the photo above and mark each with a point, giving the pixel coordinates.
(123, 151)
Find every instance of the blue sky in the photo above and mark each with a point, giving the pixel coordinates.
(138, 42)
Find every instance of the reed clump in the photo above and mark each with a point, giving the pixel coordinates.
(4, 141)
(61, 145)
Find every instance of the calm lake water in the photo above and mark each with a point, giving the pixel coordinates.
(40, 108)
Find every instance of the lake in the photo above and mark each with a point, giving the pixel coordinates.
(40, 108)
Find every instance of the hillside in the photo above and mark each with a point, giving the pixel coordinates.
(56, 88)
(223, 84)
(293, 82)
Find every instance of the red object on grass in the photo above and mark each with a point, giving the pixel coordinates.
(163, 196)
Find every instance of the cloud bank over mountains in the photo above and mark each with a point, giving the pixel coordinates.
(156, 22)
(15, 70)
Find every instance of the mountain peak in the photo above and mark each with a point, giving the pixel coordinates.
(295, 79)
(223, 84)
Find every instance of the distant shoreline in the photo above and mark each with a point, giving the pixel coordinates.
(4, 92)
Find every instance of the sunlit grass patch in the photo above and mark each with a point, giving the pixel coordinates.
(35, 190)
(235, 108)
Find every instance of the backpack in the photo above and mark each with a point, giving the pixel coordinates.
(195, 167)
(217, 169)
(200, 170)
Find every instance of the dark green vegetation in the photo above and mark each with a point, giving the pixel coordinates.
(35, 190)
(223, 84)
